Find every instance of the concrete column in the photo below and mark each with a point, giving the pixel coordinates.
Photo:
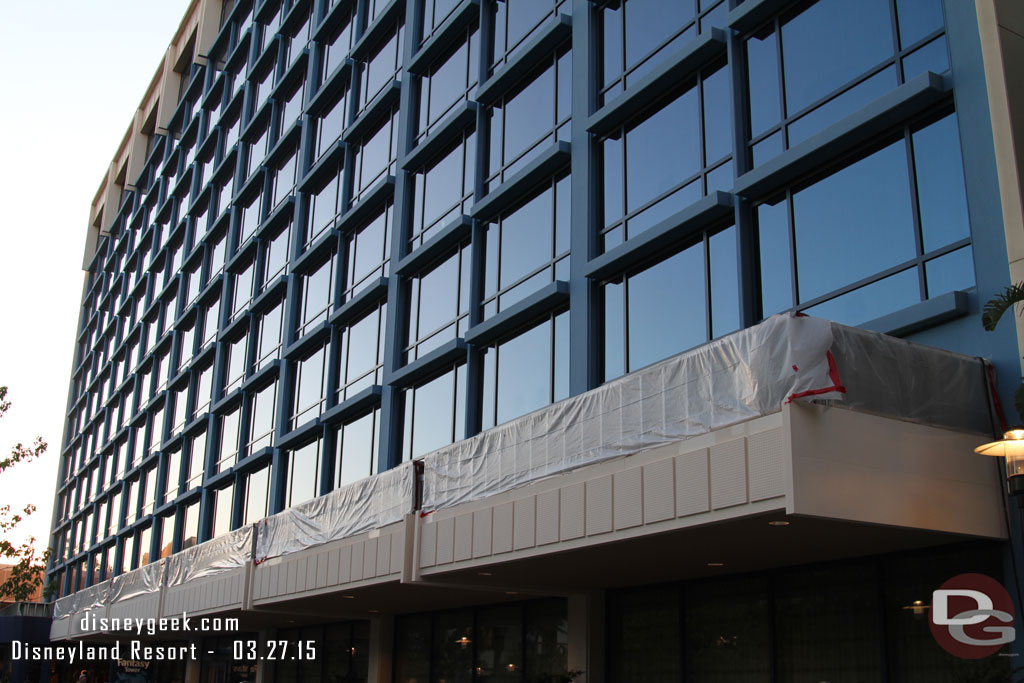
(586, 636)
(382, 638)
(192, 671)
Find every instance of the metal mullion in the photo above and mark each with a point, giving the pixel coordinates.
(783, 113)
(791, 233)
(706, 244)
(915, 211)
(894, 23)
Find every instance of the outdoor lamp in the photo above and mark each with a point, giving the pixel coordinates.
(1011, 447)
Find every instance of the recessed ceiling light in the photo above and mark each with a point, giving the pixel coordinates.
(349, 597)
(373, 611)
(778, 522)
(511, 592)
(716, 564)
(484, 574)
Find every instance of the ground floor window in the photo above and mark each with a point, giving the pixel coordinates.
(844, 623)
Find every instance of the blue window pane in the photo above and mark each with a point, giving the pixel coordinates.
(612, 149)
(725, 293)
(940, 183)
(917, 19)
(667, 308)
(830, 43)
(524, 373)
(952, 271)
(561, 386)
(835, 109)
(650, 22)
(357, 450)
(528, 115)
(614, 330)
(842, 220)
(773, 239)
(526, 239)
(766, 149)
(930, 57)
(662, 150)
(717, 123)
(433, 408)
(763, 82)
(611, 27)
(871, 301)
(664, 208)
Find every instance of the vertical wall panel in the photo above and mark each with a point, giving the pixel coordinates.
(599, 505)
(464, 536)
(572, 512)
(767, 465)
(525, 525)
(692, 483)
(729, 474)
(502, 541)
(659, 491)
(547, 517)
(482, 533)
(628, 495)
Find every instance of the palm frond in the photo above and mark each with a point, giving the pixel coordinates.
(1000, 304)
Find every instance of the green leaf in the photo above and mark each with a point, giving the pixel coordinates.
(1000, 304)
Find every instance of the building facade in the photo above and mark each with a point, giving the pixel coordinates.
(358, 265)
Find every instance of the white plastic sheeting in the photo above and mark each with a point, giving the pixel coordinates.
(142, 581)
(739, 377)
(66, 606)
(367, 504)
(218, 555)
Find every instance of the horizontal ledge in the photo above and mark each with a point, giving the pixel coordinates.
(361, 302)
(368, 205)
(374, 111)
(551, 33)
(747, 16)
(352, 406)
(442, 39)
(321, 248)
(552, 159)
(310, 340)
(281, 214)
(269, 295)
(332, 86)
(451, 234)
(332, 20)
(543, 301)
(300, 434)
(378, 29)
(288, 141)
(637, 97)
(424, 366)
(262, 377)
(446, 132)
(324, 167)
(694, 218)
(921, 315)
(867, 122)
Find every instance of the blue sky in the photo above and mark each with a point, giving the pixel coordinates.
(73, 73)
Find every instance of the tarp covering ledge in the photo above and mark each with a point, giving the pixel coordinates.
(210, 558)
(142, 581)
(358, 507)
(739, 377)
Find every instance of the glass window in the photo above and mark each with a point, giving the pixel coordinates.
(444, 190)
(336, 51)
(375, 155)
(361, 353)
(356, 449)
(190, 526)
(145, 544)
(257, 495)
(291, 107)
(636, 35)
(367, 251)
(298, 40)
(180, 400)
(204, 391)
(826, 74)
(237, 360)
(166, 538)
(438, 304)
(310, 387)
(229, 438)
(448, 80)
(514, 21)
(644, 323)
(196, 461)
(129, 560)
(435, 413)
(317, 295)
(222, 510)
(381, 66)
(661, 164)
(217, 251)
(269, 336)
(303, 474)
(172, 476)
(527, 248)
(243, 289)
(211, 321)
(324, 206)
(261, 420)
(275, 251)
(868, 282)
(530, 117)
(332, 123)
(284, 178)
(526, 372)
(434, 14)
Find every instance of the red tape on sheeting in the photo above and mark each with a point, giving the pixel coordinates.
(424, 514)
(833, 373)
(995, 396)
